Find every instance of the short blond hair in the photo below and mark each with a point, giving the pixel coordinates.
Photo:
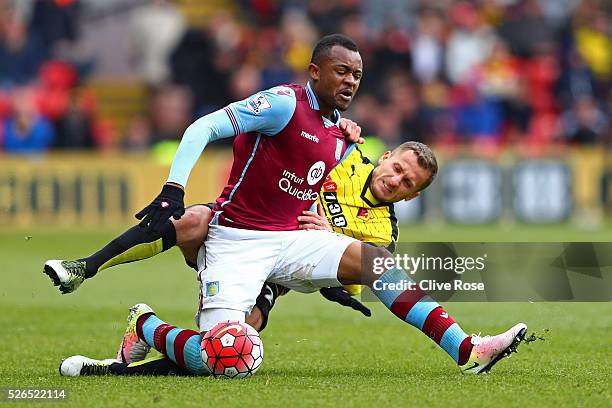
(425, 158)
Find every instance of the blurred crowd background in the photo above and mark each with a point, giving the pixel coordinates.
(132, 75)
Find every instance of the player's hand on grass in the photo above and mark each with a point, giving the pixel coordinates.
(169, 203)
(314, 221)
(341, 295)
(351, 131)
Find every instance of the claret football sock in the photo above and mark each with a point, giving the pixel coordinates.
(421, 311)
(182, 346)
(133, 245)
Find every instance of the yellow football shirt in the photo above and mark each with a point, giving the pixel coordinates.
(350, 207)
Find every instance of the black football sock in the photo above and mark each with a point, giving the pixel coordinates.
(133, 245)
(265, 301)
(159, 365)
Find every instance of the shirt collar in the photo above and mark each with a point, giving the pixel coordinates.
(312, 98)
(314, 104)
(368, 197)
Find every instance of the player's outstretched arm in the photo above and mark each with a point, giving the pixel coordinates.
(169, 202)
(266, 112)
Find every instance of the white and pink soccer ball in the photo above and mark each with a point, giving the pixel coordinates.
(232, 350)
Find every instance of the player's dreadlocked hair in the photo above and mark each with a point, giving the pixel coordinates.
(326, 43)
(425, 158)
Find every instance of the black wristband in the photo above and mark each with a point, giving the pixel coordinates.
(173, 191)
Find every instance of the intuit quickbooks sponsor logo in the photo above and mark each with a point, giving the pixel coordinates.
(316, 173)
(310, 137)
(289, 184)
(292, 177)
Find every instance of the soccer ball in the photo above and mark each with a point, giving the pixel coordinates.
(232, 350)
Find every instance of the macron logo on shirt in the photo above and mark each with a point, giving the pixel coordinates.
(310, 137)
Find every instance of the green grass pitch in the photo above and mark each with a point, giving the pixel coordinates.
(316, 353)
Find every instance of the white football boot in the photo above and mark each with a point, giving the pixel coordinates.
(488, 350)
(76, 366)
(68, 275)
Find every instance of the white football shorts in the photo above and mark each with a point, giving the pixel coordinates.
(233, 265)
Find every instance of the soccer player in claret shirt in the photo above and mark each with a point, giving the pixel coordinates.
(354, 181)
(279, 168)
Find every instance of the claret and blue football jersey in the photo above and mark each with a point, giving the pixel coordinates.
(283, 151)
